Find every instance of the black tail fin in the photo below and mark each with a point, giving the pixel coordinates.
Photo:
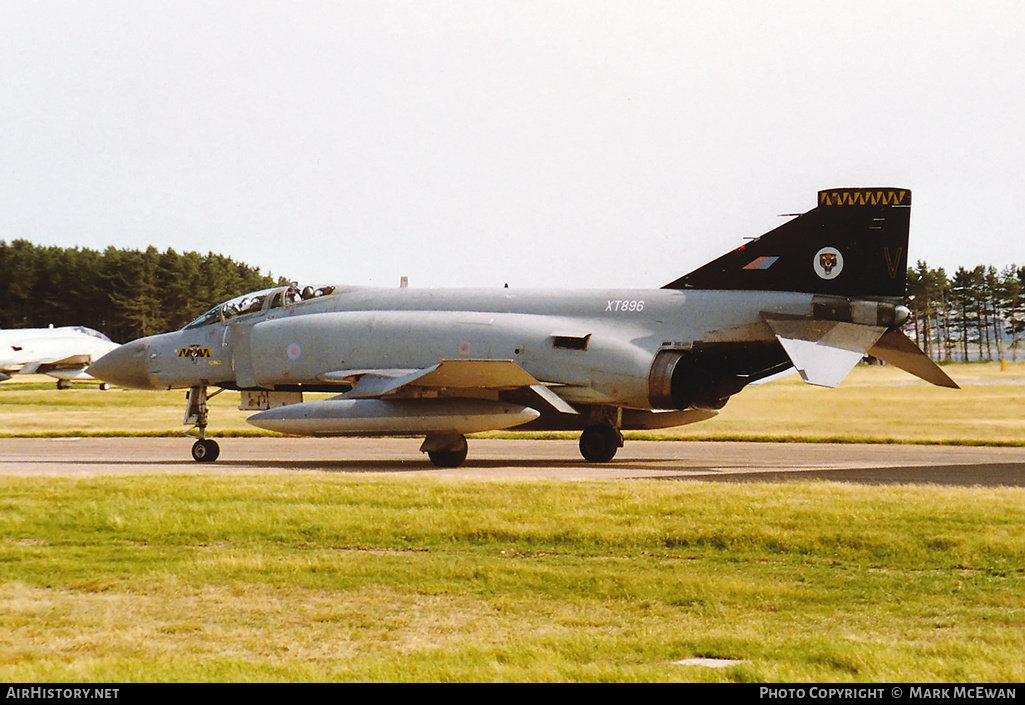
(854, 243)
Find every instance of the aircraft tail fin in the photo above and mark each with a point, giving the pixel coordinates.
(853, 243)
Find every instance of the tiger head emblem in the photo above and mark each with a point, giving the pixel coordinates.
(828, 263)
(827, 260)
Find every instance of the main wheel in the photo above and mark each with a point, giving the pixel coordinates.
(451, 457)
(205, 451)
(599, 443)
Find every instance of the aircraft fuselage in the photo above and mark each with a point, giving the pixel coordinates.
(599, 346)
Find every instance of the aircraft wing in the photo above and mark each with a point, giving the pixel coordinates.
(45, 367)
(446, 376)
(70, 361)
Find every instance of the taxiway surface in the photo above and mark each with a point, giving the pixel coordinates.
(526, 459)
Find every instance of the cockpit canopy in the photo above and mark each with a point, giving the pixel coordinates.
(262, 300)
(90, 332)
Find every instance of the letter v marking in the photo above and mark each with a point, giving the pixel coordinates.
(892, 263)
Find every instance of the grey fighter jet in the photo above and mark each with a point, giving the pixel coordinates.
(818, 293)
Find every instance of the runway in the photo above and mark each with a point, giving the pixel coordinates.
(528, 459)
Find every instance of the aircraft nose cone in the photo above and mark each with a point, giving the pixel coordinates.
(126, 366)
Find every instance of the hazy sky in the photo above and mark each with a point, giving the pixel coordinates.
(561, 143)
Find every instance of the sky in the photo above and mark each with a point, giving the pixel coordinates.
(471, 143)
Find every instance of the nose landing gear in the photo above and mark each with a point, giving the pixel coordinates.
(204, 450)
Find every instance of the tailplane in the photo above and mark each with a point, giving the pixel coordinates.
(854, 243)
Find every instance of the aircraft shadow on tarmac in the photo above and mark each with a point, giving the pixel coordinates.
(358, 466)
(958, 475)
(983, 475)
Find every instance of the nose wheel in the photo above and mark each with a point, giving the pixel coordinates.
(205, 450)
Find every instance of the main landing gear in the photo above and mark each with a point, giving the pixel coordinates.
(66, 384)
(602, 437)
(599, 442)
(446, 450)
(204, 450)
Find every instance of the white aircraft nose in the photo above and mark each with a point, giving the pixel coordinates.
(126, 366)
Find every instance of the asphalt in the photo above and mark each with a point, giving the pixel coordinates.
(528, 459)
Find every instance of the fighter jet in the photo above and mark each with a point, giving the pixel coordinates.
(63, 353)
(818, 293)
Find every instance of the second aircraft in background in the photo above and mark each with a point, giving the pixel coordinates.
(62, 353)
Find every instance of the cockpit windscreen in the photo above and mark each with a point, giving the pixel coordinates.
(265, 299)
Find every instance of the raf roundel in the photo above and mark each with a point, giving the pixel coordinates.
(294, 351)
(828, 263)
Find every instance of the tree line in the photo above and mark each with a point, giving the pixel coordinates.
(976, 314)
(123, 293)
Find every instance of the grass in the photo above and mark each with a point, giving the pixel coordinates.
(325, 577)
